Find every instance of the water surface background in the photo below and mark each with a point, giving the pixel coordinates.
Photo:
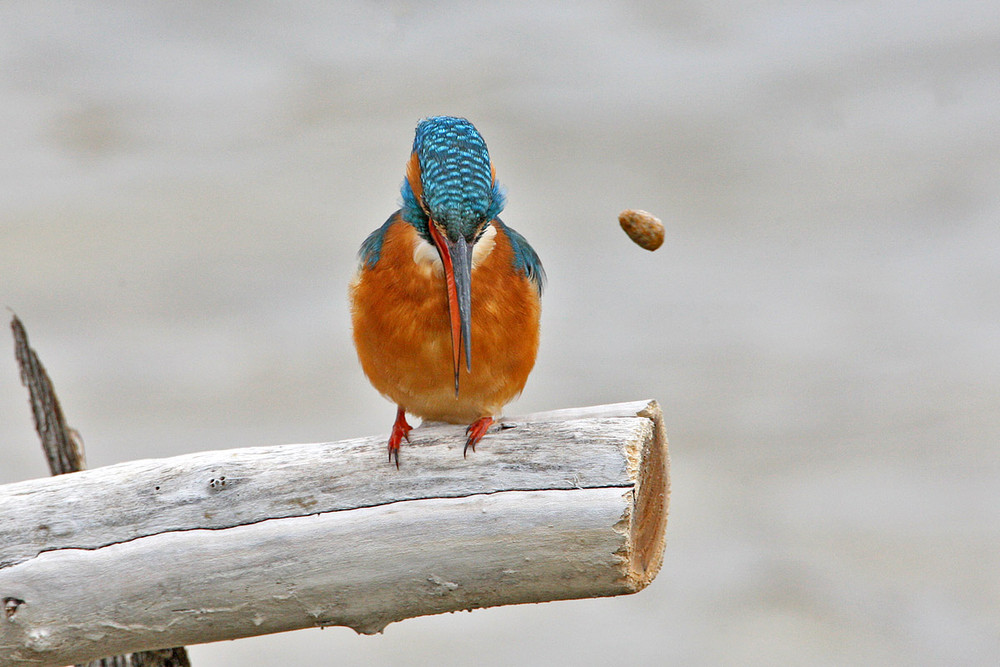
(184, 187)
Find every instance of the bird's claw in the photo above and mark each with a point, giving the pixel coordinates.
(476, 431)
(400, 431)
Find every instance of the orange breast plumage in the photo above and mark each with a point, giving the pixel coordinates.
(400, 317)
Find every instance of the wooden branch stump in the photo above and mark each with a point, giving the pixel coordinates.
(226, 544)
(62, 445)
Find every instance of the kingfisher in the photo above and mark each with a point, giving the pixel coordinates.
(446, 300)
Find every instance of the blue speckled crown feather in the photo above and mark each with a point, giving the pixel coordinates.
(456, 178)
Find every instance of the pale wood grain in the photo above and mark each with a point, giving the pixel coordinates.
(226, 544)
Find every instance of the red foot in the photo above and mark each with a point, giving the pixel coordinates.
(476, 431)
(400, 430)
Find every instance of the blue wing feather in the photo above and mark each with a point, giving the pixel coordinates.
(525, 258)
(371, 248)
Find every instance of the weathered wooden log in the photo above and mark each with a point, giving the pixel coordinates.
(226, 544)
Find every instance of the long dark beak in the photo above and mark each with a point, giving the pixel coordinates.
(457, 259)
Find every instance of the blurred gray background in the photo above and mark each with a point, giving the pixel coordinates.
(184, 186)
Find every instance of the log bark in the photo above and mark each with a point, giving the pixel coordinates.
(227, 544)
(62, 445)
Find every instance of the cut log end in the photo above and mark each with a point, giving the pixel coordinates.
(644, 523)
(648, 523)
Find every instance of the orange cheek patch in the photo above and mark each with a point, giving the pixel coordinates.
(413, 177)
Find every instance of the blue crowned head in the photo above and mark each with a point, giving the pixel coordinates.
(450, 178)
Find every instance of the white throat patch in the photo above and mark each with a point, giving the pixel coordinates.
(425, 255)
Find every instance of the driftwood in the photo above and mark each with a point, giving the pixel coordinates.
(227, 544)
(63, 449)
